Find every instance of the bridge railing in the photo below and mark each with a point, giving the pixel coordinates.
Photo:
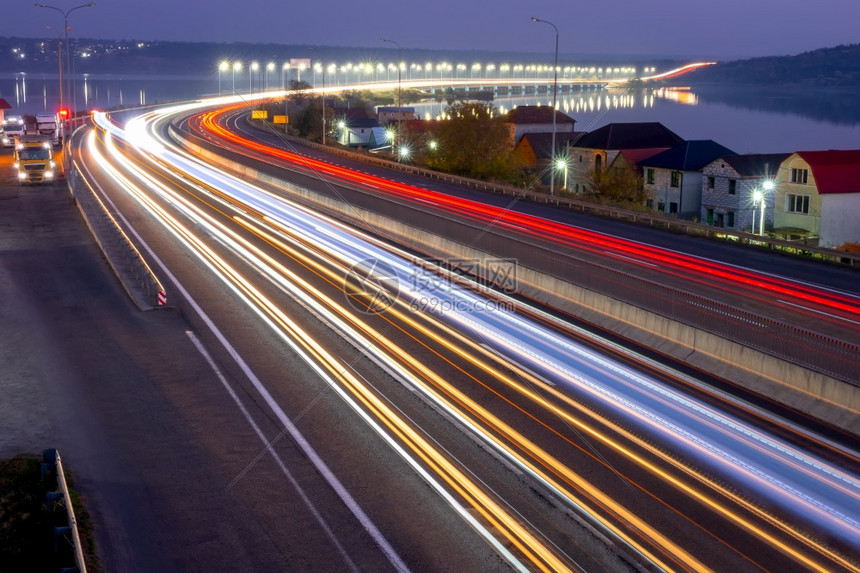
(134, 273)
(813, 350)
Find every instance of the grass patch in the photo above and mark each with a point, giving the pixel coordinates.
(27, 526)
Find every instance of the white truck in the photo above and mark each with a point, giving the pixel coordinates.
(13, 127)
(50, 126)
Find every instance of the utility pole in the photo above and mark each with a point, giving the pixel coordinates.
(399, 108)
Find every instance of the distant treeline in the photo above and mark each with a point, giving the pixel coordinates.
(827, 67)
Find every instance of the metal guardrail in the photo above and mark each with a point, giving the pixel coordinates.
(674, 224)
(135, 274)
(804, 347)
(51, 462)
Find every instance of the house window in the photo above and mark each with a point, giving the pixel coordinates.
(649, 176)
(733, 186)
(661, 206)
(730, 219)
(710, 182)
(676, 179)
(598, 163)
(649, 203)
(673, 207)
(800, 176)
(797, 203)
(710, 216)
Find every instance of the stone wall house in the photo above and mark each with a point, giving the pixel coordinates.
(598, 149)
(729, 184)
(673, 178)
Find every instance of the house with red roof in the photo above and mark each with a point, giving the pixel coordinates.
(817, 194)
(596, 150)
(525, 119)
(4, 105)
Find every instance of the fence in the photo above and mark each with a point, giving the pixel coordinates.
(134, 273)
(851, 259)
(797, 345)
(804, 347)
(53, 465)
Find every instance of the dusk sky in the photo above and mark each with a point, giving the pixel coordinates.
(688, 28)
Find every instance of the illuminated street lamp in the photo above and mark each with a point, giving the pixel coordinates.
(269, 67)
(254, 67)
(66, 31)
(222, 67)
(759, 197)
(237, 67)
(561, 165)
(342, 127)
(554, 91)
(399, 67)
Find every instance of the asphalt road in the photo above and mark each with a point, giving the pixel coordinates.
(174, 476)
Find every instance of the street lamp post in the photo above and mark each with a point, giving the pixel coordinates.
(222, 67)
(66, 31)
(399, 108)
(269, 67)
(254, 67)
(766, 186)
(554, 92)
(237, 67)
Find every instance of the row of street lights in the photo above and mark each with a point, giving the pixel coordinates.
(443, 69)
(254, 67)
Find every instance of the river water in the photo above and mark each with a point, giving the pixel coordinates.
(744, 119)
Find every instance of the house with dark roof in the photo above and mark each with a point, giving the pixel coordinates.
(729, 190)
(817, 194)
(597, 149)
(525, 119)
(672, 179)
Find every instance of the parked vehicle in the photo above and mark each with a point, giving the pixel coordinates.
(13, 127)
(49, 125)
(34, 159)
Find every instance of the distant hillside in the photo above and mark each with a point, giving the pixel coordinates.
(827, 67)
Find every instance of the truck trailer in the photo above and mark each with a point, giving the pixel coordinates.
(51, 126)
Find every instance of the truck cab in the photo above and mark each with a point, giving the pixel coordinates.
(34, 160)
(13, 127)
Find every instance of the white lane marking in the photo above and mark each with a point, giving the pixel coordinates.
(268, 444)
(836, 316)
(315, 459)
(639, 261)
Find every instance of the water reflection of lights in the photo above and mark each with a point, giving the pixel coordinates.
(586, 102)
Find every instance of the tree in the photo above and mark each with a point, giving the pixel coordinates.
(620, 185)
(473, 142)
